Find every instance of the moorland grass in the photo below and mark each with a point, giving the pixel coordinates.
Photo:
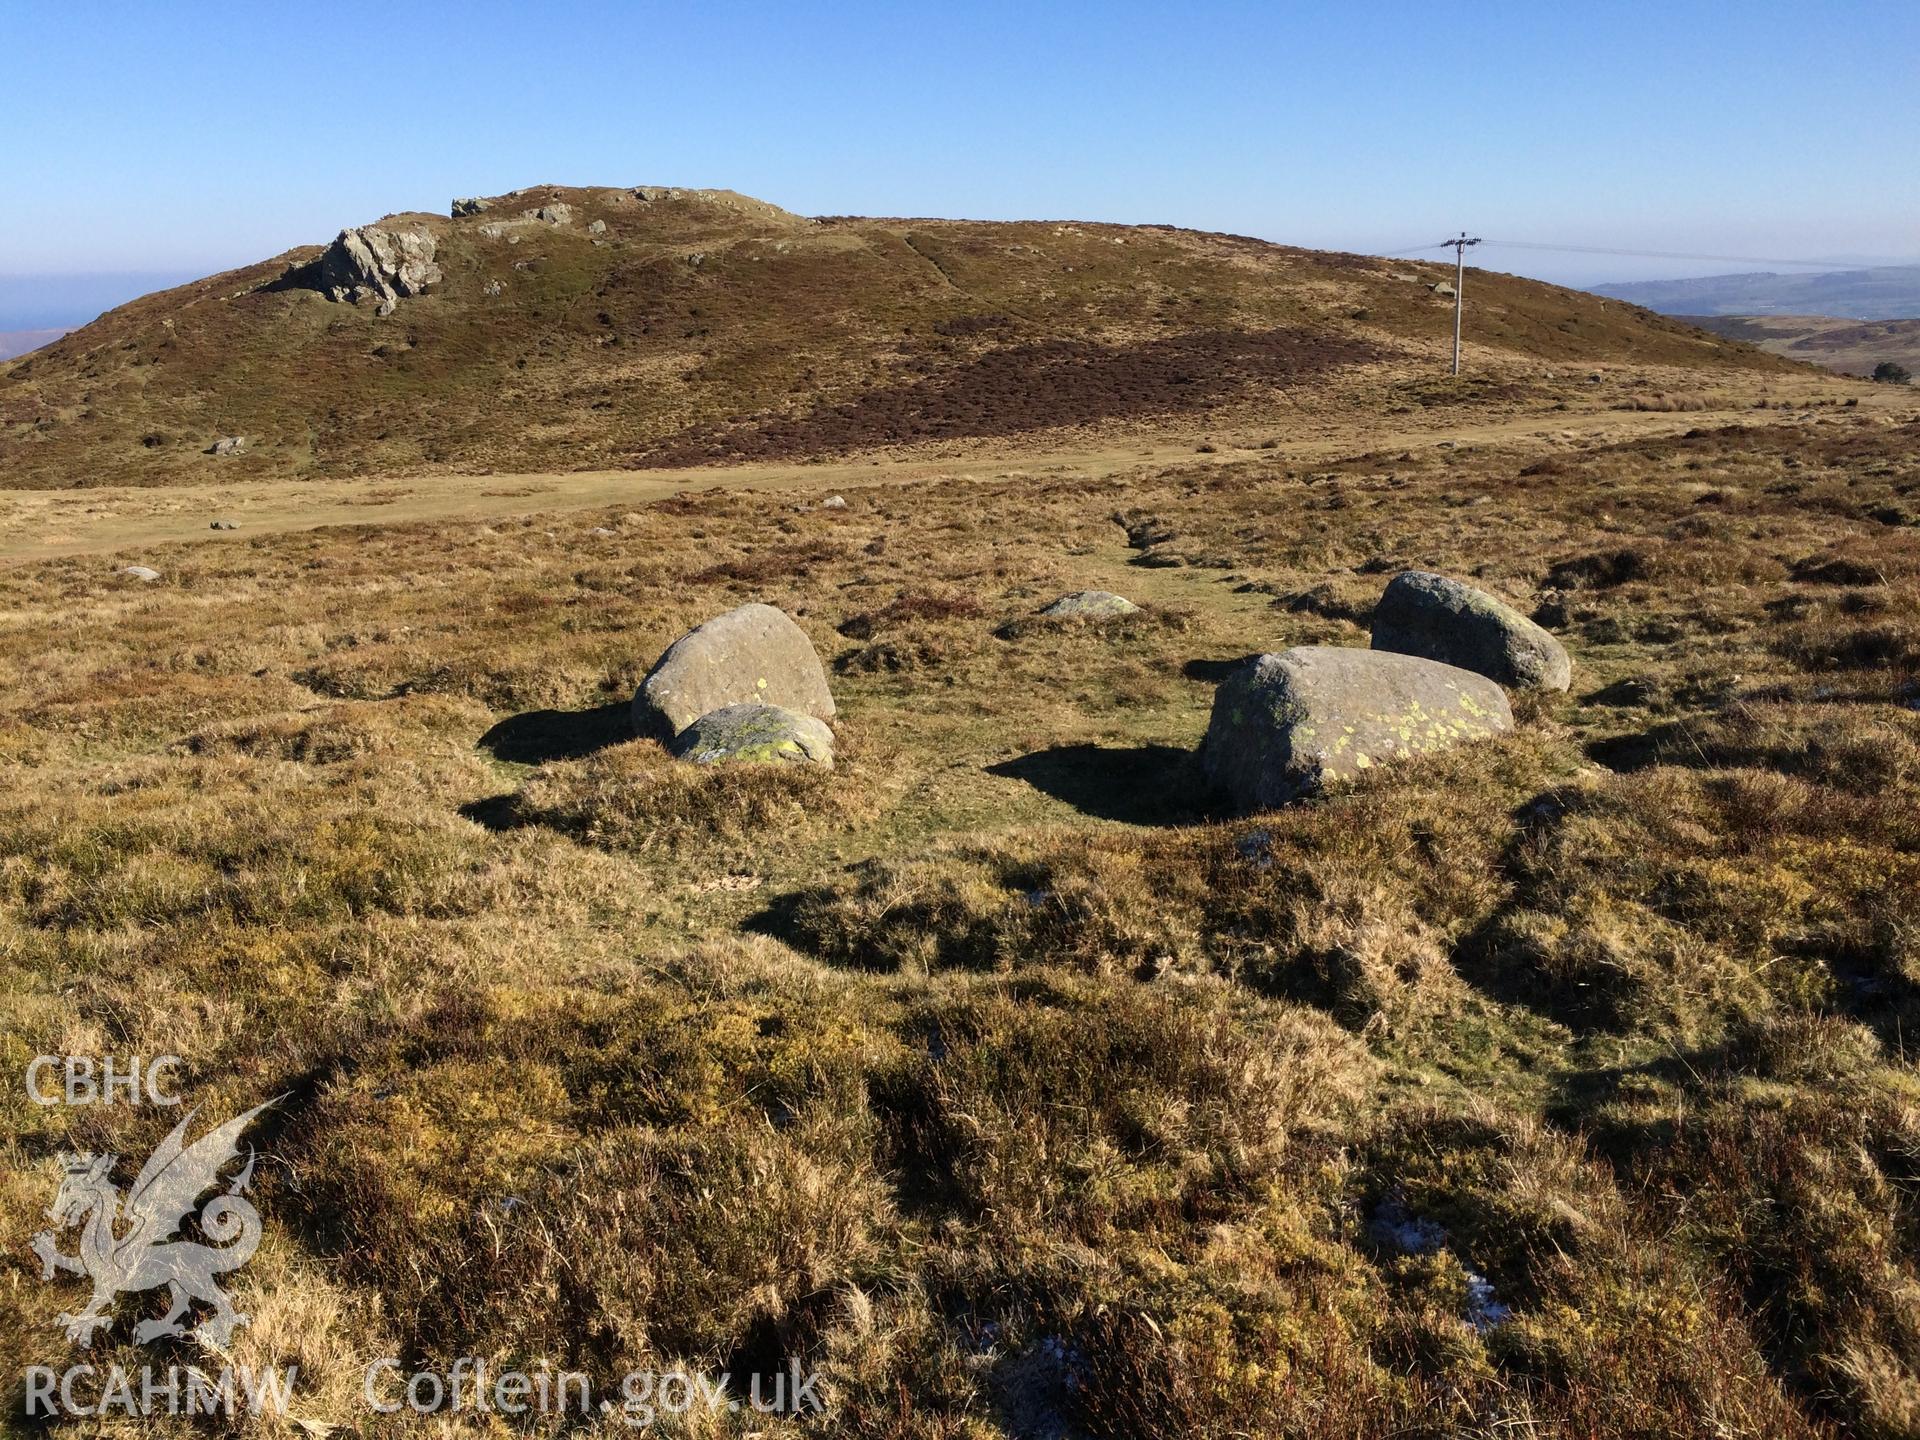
(1560, 1086)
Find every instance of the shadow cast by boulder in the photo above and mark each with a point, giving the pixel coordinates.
(1137, 785)
(295, 277)
(496, 812)
(542, 735)
(1707, 747)
(1669, 744)
(1213, 672)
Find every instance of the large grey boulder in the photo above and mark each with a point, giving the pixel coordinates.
(754, 655)
(473, 206)
(756, 734)
(372, 263)
(1286, 725)
(1089, 605)
(1442, 619)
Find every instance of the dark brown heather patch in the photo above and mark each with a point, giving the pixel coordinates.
(1020, 388)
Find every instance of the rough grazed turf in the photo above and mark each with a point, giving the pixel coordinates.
(1562, 1086)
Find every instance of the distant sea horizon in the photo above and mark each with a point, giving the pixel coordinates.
(66, 302)
(15, 343)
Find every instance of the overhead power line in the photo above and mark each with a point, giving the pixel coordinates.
(1459, 245)
(1666, 254)
(1630, 254)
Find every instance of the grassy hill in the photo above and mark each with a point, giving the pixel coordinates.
(673, 327)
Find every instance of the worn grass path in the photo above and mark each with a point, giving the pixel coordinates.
(41, 524)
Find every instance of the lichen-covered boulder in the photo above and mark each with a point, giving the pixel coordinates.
(1438, 618)
(755, 734)
(1286, 725)
(1089, 605)
(754, 655)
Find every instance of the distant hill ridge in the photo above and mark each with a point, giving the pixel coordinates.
(558, 328)
(1887, 292)
(1851, 347)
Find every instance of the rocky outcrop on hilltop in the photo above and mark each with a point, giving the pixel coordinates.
(373, 263)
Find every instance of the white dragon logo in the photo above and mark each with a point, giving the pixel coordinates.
(145, 1257)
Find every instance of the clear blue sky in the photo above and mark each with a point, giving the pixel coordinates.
(187, 137)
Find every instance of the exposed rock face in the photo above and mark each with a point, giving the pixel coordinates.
(228, 445)
(756, 734)
(1089, 605)
(470, 207)
(559, 213)
(382, 265)
(1441, 619)
(755, 655)
(1286, 725)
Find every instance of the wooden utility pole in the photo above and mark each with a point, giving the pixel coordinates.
(1459, 287)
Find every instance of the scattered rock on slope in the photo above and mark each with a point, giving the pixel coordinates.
(1441, 619)
(1089, 605)
(1285, 725)
(752, 655)
(371, 262)
(756, 734)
